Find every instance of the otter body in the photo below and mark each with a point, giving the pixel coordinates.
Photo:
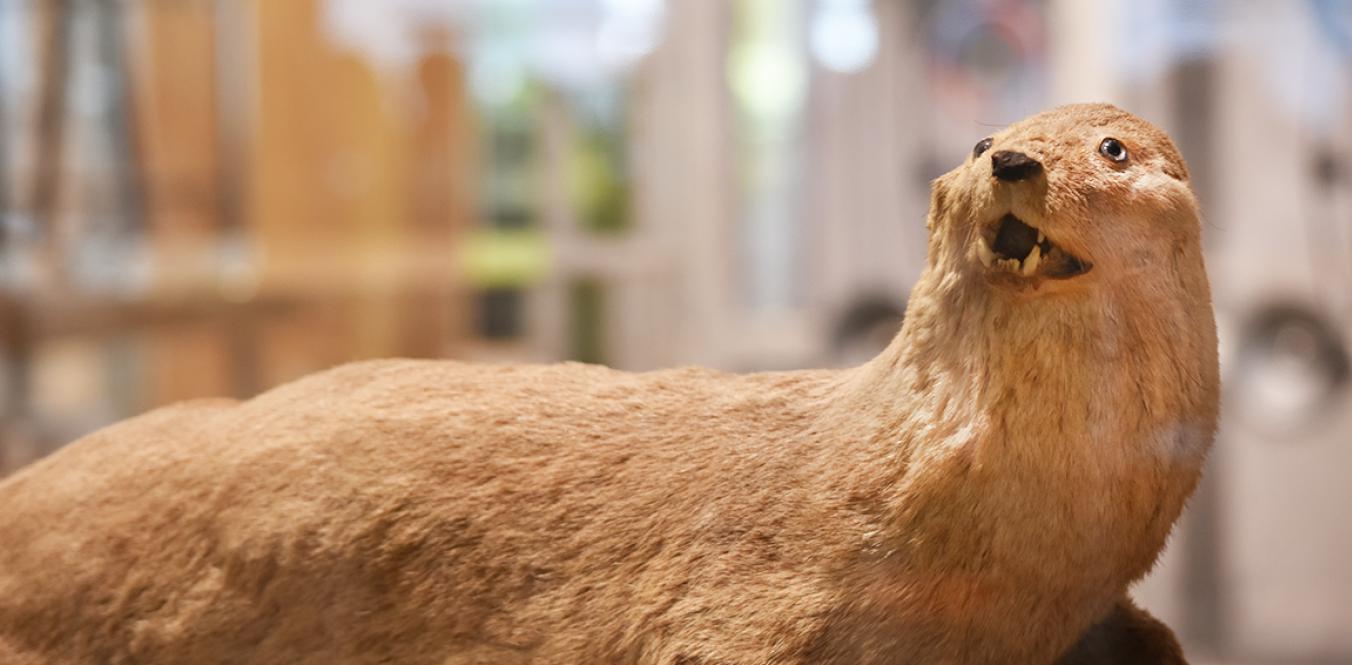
(982, 492)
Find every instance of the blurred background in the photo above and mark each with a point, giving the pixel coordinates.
(213, 197)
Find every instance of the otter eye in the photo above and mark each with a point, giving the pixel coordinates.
(1113, 149)
(982, 146)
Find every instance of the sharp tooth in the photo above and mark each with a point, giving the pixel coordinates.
(1040, 237)
(1030, 262)
(984, 253)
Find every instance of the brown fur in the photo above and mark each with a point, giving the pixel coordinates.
(982, 492)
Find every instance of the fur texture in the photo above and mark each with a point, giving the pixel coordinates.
(982, 492)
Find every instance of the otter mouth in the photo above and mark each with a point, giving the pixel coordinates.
(1020, 249)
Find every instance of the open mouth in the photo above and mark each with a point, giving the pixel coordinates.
(1023, 250)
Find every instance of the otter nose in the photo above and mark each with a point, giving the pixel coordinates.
(1013, 166)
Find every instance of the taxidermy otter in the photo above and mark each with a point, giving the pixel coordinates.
(984, 491)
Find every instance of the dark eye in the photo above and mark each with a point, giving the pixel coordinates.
(1113, 149)
(982, 146)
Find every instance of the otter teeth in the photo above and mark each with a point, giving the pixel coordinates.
(1025, 266)
(985, 254)
(1017, 247)
(1030, 262)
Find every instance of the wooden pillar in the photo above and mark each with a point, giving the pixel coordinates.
(53, 66)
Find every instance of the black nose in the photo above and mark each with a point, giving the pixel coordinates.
(1012, 166)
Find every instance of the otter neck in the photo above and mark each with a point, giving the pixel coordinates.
(1051, 440)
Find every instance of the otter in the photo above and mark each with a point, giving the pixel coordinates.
(984, 491)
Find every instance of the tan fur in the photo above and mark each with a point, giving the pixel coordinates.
(982, 492)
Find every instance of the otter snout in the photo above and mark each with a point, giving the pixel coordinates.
(1012, 166)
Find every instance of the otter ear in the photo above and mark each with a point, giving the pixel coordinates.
(938, 207)
(1177, 171)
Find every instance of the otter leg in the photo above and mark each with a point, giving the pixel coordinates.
(1127, 636)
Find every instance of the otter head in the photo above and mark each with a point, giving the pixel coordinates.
(1066, 200)
(1067, 247)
